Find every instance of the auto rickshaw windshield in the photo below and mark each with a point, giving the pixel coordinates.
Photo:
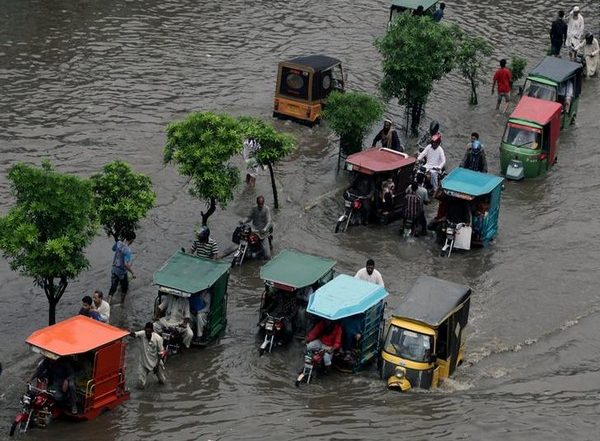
(408, 344)
(522, 136)
(540, 90)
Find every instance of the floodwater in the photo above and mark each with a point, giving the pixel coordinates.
(85, 82)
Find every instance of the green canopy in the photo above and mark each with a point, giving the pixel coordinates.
(296, 269)
(414, 4)
(189, 274)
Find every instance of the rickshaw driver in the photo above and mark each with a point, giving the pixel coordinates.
(436, 159)
(388, 137)
(260, 216)
(364, 187)
(177, 315)
(326, 336)
(59, 375)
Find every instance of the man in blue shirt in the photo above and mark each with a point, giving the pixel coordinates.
(86, 309)
(121, 265)
(439, 13)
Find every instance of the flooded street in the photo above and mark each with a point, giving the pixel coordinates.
(83, 83)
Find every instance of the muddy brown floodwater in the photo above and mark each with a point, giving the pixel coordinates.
(85, 82)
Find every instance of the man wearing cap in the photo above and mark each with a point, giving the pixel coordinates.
(388, 137)
(574, 31)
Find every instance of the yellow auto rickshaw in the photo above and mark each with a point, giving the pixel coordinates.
(303, 85)
(425, 339)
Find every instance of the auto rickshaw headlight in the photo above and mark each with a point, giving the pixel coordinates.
(400, 372)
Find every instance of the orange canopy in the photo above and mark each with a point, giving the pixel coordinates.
(75, 335)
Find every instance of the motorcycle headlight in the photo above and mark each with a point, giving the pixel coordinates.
(400, 372)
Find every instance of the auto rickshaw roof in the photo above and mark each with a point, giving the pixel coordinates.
(555, 69)
(414, 4)
(378, 160)
(189, 274)
(470, 182)
(295, 269)
(536, 110)
(345, 296)
(75, 335)
(430, 300)
(317, 62)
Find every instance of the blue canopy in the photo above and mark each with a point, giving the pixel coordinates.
(345, 296)
(470, 182)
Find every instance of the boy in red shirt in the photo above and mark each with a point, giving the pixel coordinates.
(503, 78)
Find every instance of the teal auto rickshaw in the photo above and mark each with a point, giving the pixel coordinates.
(354, 306)
(401, 6)
(468, 211)
(425, 339)
(559, 80)
(203, 284)
(290, 279)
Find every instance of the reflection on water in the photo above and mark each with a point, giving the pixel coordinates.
(86, 82)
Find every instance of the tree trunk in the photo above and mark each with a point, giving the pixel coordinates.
(273, 186)
(54, 294)
(51, 311)
(415, 118)
(473, 101)
(211, 209)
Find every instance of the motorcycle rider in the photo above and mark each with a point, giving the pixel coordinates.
(60, 375)
(436, 159)
(388, 137)
(326, 336)
(474, 158)
(260, 216)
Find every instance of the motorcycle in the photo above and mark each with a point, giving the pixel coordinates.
(273, 327)
(312, 360)
(172, 340)
(353, 205)
(39, 407)
(450, 229)
(249, 243)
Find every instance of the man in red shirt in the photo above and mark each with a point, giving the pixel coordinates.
(502, 77)
(327, 336)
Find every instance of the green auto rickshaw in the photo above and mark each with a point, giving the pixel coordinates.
(425, 339)
(203, 284)
(559, 80)
(529, 147)
(401, 6)
(290, 279)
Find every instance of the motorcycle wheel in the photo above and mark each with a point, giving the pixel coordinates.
(261, 352)
(337, 226)
(16, 428)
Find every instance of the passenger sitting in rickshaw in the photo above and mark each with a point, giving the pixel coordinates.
(482, 206)
(326, 336)
(565, 95)
(351, 334)
(199, 309)
(364, 187)
(59, 377)
(387, 195)
(177, 315)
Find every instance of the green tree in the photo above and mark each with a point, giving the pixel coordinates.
(517, 68)
(470, 58)
(44, 235)
(122, 198)
(351, 115)
(274, 146)
(201, 145)
(416, 51)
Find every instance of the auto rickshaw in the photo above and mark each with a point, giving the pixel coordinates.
(290, 279)
(559, 80)
(468, 211)
(203, 283)
(380, 178)
(529, 146)
(94, 352)
(425, 339)
(358, 306)
(303, 84)
(401, 6)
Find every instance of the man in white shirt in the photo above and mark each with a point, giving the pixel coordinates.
(574, 31)
(101, 306)
(370, 274)
(177, 315)
(151, 349)
(436, 159)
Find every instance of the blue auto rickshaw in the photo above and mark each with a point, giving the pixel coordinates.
(469, 210)
(358, 306)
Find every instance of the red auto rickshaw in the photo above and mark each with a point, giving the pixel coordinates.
(95, 354)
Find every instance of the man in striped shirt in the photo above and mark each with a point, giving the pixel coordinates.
(204, 245)
(413, 209)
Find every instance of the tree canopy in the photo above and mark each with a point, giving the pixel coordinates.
(201, 145)
(470, 59)
(351, 115)
(274, 145)
(416, 52)
(44, 235)
(122, 198)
